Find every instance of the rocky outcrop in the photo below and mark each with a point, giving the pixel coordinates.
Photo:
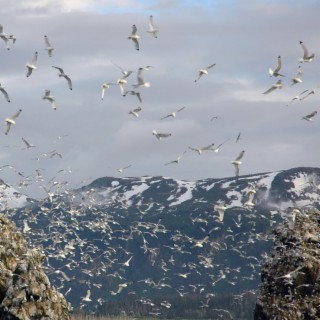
(25, 290)
(291, 276)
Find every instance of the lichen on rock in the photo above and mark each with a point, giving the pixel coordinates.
(25, 290)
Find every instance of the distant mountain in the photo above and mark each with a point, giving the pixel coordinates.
(141, 244)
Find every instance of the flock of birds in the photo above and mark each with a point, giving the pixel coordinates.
(60, 246)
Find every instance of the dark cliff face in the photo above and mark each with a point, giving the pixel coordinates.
(291, 276)
(25, 291)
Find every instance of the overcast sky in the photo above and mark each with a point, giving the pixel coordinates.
(96, 137)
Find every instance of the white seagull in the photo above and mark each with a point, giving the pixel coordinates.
(152, 30)
(49, 48)
(176, 160)
(121, 82)
(134, 93)
(120, 170)
(204, 71)
(4, 37)
(135, 112)
(134, 37)
(62, 74)
(275, 72)
(32, 65)
(297, 78)
(104, 87)
(5, 93)
(306, 57)
(277, 85)
(173, 114)
(221, 208)
(200, 150)
(11, 120)
(141, 82)
(87, 297)
(159, 135)
(298, 97)
(123, 71)
(50, 98)
(310, 116)
(237, 161)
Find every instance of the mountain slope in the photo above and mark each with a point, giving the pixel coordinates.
(149, 238)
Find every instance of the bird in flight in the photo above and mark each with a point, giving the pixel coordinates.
(236, 162)
(28, 145)
(141, 81)
(277, 85)
(176, 160)
(32, 65)
(297, 78)
(200, 150)
(62, 74)
(306, 57)
(173, 114)
(310, 116)
(152, 30)
(275, 72)
(5, 93)
(50, 98)
(159, 135)
(104, 87)
(204, 71)
(134, 37)
(135, 112)
(4, 37)
(134, 93)
(49, 48)
(11, 120)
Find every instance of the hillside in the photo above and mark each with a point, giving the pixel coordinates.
(149, 245)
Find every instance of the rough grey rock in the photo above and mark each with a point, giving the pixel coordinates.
(25, 290)
(291, 276)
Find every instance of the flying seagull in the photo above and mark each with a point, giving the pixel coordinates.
(62, 74)
(121, 82)
(5, 93)
(275, 72)
(152, 30)
(306, 57)
(50, 98)
(220, 145)
(4, 37)
(32, 65)
(297, 78)
(123, 71)
(310, 116)
(204, 71)
(134, 37)
(135, 112)
(134, 93)
(159, 135)
(298, 97)
(49, 48)
(200, 150)
(87, 297)
(221, 208)
(141, 82)
(236, 162)
(11, 120)
(28, 145)
(173, 114)
(104, 87)
(176, 160)
(277, 85)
